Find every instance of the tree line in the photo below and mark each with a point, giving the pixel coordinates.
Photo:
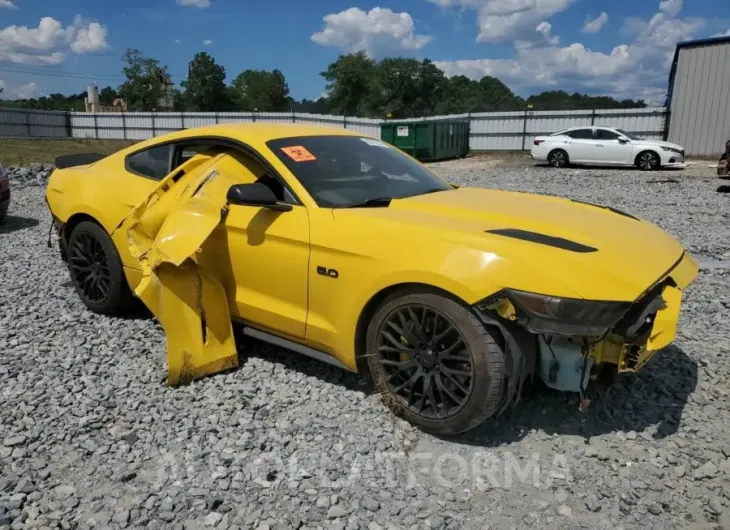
(357, 85)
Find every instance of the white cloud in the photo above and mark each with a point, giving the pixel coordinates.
(545, 29)
(176, 41)
(671, 8)
(90, 38)
(596, 25)
(19, 92)
(726, 34)
(379, 30)
(638, 68)
(26, 91)
(502, 20)
(194, 3)
(207, 42)
(8, 4)
(48, 43)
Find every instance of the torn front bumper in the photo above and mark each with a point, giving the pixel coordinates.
(166, 234)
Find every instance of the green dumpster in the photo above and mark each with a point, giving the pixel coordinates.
(429, 140)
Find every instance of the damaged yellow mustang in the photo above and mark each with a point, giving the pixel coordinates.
(336, 245)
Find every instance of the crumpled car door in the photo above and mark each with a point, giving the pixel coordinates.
(166, 233)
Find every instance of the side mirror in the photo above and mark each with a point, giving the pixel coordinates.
(256, 194)
(623, 139)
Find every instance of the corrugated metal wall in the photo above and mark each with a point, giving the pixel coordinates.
(143, 125)
(489, 130)
(700, 110)
(30, 124)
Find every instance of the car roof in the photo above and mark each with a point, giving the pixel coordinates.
(562, 131)
(253, 134)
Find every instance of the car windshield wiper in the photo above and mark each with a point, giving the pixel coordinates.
(371, 203)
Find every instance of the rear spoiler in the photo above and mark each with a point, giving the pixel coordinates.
(77, 160)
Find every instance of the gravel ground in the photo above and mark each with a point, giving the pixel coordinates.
(92, 437)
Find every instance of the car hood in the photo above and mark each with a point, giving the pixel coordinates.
(662, 143)
(589, 251)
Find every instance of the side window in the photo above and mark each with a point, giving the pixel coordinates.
(153, 163)
(603, 134)
(581, 134)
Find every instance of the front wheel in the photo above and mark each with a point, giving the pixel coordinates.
(434, 363)
(648, 161)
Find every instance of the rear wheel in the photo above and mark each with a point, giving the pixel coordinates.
(558, 158)
(648, 161)
(434, 363)
(96, 270)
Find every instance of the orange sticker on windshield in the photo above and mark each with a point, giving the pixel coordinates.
(299, 153)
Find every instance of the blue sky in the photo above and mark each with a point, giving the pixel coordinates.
(622, 47)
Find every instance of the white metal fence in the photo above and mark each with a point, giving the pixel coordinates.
(488, 130)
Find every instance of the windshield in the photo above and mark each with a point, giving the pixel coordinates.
(341, 171)
(628, 134)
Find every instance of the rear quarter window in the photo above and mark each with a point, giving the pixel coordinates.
(152, 163)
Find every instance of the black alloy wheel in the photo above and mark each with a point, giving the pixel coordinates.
(96, 270)
(89, 268)
(433, 361)
(426, 361)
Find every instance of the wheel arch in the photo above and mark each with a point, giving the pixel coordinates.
(375, 301)
(555, 149)
(647, 150)
(77, 219)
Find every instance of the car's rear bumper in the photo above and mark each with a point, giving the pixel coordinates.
(538, 155)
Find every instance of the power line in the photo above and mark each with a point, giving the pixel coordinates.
(59, 73)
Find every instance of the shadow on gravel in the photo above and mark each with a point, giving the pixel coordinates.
(306, 366)
(14, 223)
(652, 400)
(617, 169)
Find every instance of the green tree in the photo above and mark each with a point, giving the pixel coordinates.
(205, 87)
(319, 106)
(107, 95)
(497, 96)
(559, 99)
(348, 82)
(261, 90)
(393, 88)
(145, 82)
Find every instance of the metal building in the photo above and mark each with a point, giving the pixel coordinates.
(699, 96)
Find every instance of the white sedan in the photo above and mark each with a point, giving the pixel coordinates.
(605, 146)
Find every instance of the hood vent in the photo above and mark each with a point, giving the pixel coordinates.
(542, 239)
(614, 210)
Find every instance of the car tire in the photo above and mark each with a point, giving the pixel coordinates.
(648, 161)
(558, 158)
(96, 270)
(427, 384)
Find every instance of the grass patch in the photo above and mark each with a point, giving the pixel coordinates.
(21, 152)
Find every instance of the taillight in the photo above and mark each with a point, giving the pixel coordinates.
(538, 142)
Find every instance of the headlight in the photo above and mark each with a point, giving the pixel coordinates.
(672, 149)
(565, 316)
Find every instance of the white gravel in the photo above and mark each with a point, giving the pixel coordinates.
(90, 436)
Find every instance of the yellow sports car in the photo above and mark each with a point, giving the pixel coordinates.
(339, 246)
